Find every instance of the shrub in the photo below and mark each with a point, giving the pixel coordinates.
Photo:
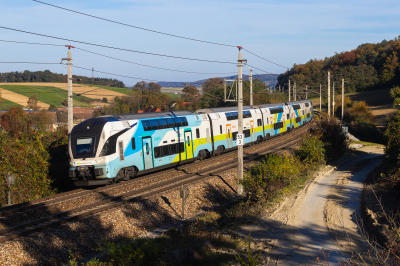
(265, 179)
(330, 132)
(311, 150)
(105, 100)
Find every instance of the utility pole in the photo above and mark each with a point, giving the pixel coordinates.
(289, 89)
(294, 91)
(240, 122)
(320, 98)
(329, 93)
(251, 87)
(333, 99)
(225, 90)
(342, 99)
(306, 92)
(70, 102)
(92, 75)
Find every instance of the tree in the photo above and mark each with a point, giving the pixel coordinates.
(64, 102)
(33, 103)
(52, 107)
(142, 85)
(212, 83)
(105, 100)
(190, 93)
(154, 87)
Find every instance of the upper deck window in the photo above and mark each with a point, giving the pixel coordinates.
(162, 123)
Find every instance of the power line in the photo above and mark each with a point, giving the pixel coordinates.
(168, 69)
(117, 48)
(136, 27)
(175, 70)
(29, 63)
(263, 58)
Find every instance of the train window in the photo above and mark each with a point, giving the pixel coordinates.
(246, 114)
(188, 141)
(197, 133)
(121, 150)
(157, 152)
(220, 129)
(296, 107)
(172, 140)
(174, 148)
(165, 141)
(165, 150)
(133, 144)
(84, 146)
(146, 125)
(170, 122)
(246, 133)
(181, 147)
(234, 135)
(259, 124)
(267, 121)
(185, 122)
(162, 123)
(154, 124)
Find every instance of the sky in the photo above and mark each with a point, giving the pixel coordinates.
(283, 32)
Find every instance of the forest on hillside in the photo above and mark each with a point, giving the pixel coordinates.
(369, 66)
(48, 76)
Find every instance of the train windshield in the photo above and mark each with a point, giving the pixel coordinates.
(84, 147)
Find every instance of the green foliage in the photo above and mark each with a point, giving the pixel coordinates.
(392, 132)
(105, 100)
(31, 155)
(264, 180)
(366, 67)
(52, 107)
(252, 260)
(330, 132)
(311, 150)
(48, 76)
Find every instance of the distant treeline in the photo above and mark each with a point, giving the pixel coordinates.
(370, 66)
(48, 76)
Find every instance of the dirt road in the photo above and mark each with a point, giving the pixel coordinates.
(323, 215)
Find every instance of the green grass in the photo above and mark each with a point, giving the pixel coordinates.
(8, 104)
(173, 96)
(365, 143)
(120, 90)
(46, 94)
(172, 89)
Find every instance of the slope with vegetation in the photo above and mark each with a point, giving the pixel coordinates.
(368, 66)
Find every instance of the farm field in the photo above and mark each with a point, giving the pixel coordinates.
(46, 95)
(88, 91)
(125, 91)
(6, 104)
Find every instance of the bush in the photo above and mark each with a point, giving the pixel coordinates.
(330, 132)
(265, 179)
(311, 150)
(105, 100)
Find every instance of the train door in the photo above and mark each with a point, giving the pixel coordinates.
(147, 153)
(229, 136)
(252, 131)
(188, 144)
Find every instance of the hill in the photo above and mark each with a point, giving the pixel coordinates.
(369, 66)
(269, 79)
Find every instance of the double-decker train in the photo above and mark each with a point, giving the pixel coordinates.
(107, 149)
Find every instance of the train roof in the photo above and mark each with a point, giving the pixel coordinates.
(150, 115)
(221, 109)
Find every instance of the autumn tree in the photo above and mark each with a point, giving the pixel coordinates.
(190, 93)
(33, 103)
(154, 87)
(52, 107)
(212, 84)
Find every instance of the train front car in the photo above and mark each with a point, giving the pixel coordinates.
(94, 145)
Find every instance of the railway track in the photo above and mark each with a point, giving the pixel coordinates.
(131, 191)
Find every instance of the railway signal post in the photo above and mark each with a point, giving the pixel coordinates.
(240, 121)
(70, 102)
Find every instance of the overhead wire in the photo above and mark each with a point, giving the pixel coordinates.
(117, 48)
(154, 31)
(1, 62)
(122, 60)
(136, 27)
